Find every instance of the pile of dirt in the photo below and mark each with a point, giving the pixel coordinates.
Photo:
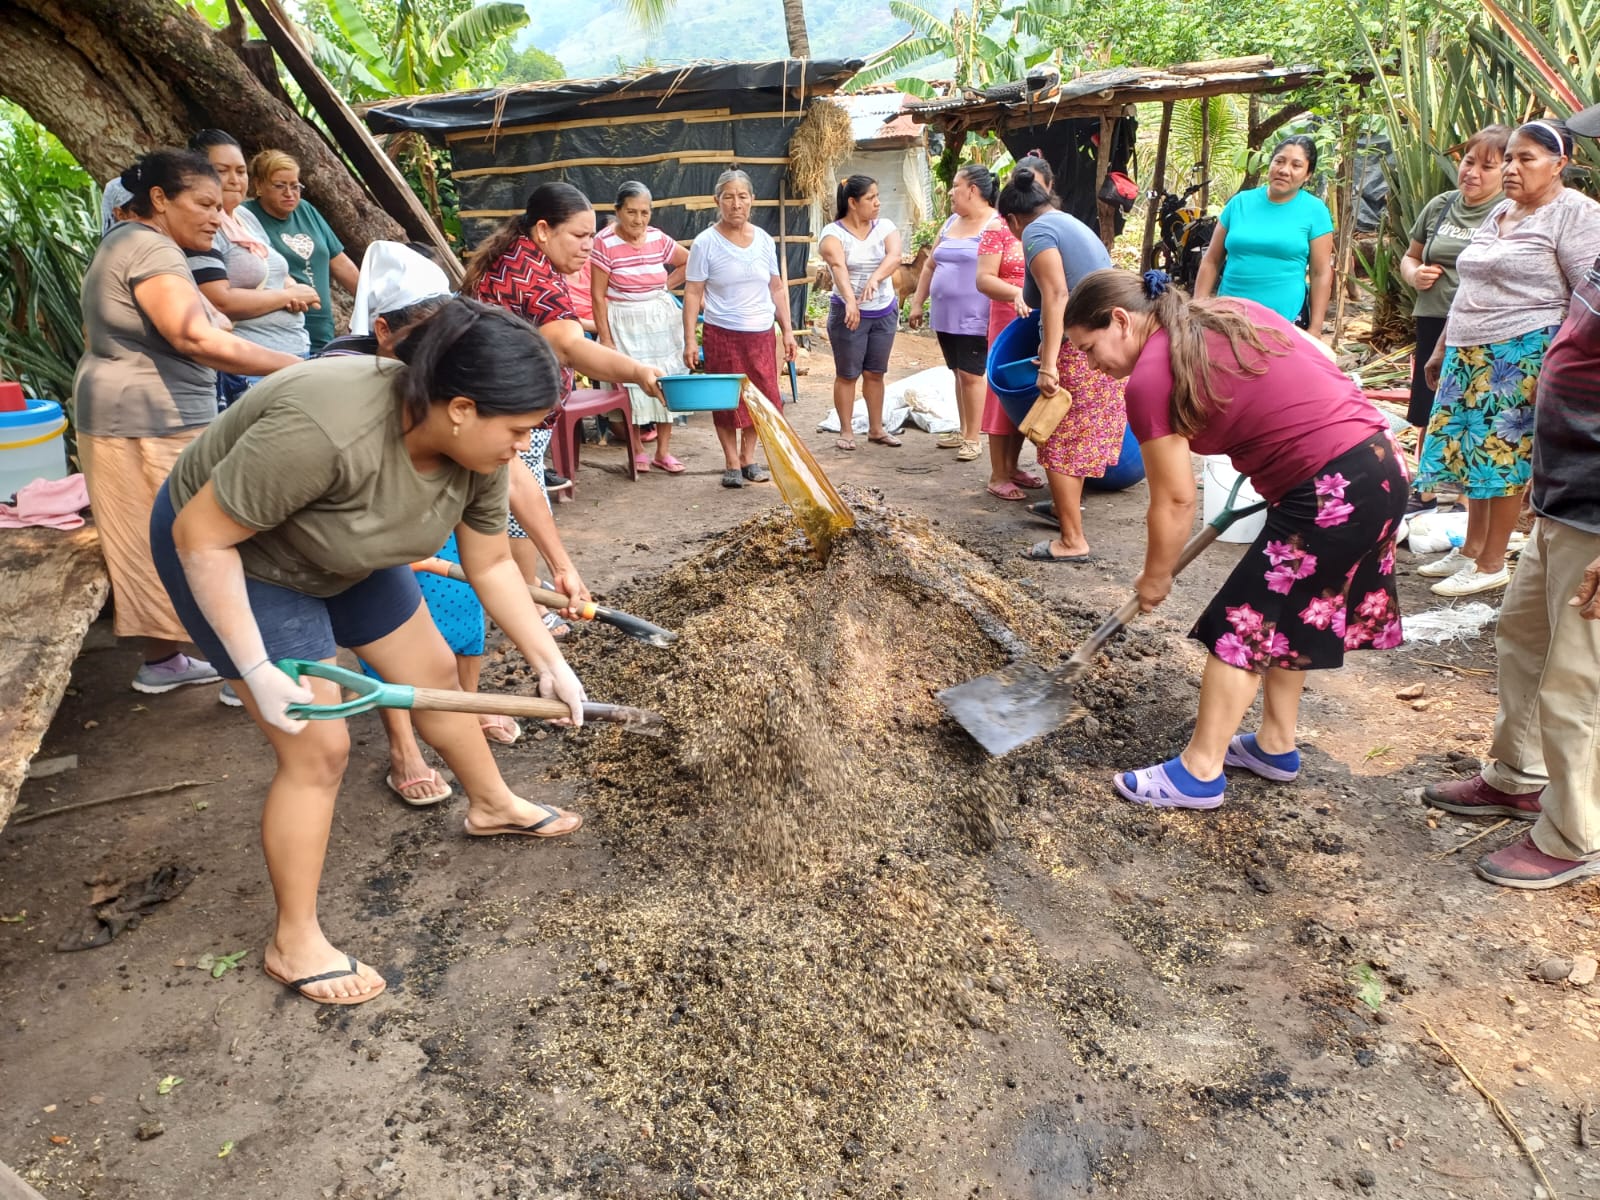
(809, 935)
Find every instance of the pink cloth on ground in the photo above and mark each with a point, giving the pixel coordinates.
(53, 503)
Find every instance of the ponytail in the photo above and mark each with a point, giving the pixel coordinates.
(483, 352)
(491, 250)
(1186, 323)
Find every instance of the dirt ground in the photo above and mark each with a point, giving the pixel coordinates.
(1159, 1005)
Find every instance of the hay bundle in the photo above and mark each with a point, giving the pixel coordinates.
(822, 141)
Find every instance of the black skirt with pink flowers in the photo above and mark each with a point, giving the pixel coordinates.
(1320, 578)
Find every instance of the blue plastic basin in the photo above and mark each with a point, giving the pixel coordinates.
(1129, 468)
(1012, 373)
(701, 393)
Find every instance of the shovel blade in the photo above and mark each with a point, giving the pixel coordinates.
(1013, 705)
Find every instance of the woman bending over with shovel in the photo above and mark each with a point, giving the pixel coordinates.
(1232, 377)
(288, 529)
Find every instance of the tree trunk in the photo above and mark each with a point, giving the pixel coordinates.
(794, 25)
(115, 78)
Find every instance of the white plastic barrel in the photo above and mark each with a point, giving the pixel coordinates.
(32, 445)
(1217, 479)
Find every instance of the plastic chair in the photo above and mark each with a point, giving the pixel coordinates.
(591, 402)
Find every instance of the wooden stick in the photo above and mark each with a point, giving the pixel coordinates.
(1443, 854)
(138, 795)
(1158, 185)
(1423, 662)
(1494, 1103)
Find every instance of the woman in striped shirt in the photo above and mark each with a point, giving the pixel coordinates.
(632, 271)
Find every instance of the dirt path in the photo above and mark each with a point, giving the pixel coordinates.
(1167, 1005)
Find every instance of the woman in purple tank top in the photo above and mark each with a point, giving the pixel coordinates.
(960, 310)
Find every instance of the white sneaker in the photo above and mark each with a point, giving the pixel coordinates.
(1445, 567)
(1469, 581)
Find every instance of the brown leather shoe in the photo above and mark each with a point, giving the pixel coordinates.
(1475, 797)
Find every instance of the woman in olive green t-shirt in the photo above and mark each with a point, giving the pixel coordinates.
(288, 528)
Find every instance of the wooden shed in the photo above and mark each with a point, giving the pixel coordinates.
(675, 129)
(1085, 126)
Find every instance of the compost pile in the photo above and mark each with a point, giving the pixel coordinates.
(806, 938)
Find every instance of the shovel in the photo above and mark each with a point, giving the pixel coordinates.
(371, 694)
(1020, 702)
(636, 628)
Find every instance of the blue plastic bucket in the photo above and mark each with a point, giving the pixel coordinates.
(701, 393)
(32, 445)
(1128, 470)
(1012, 373)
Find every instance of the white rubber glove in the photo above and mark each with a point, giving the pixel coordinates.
(273, 692)
(561, 684)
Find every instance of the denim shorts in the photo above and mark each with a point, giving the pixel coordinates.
(292, 624)
(864, 348)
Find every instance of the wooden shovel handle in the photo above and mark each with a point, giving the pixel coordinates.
(544, 596)
(538, 708)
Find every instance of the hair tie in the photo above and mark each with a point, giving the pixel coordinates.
(1156, 283)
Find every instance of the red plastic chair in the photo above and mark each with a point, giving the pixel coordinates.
(591, 402)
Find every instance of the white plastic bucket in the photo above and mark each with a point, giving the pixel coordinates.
(1217, 480)
(32, 445)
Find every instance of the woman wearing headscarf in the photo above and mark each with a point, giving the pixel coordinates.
(732, 276)
(1233, 377)
(1270, 239)
(146, 387)
(1517, 276)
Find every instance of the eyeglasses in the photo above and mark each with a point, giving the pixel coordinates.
(287, 189)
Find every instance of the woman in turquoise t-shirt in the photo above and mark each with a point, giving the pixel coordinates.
(1268, 239)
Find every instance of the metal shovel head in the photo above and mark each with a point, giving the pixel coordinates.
(1011, 706)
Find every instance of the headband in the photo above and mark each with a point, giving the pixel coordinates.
(1562, 141)
(1155, 283)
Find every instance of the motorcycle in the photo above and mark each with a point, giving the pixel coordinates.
(1185, 232)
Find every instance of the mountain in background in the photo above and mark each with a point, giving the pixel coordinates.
(599, 39)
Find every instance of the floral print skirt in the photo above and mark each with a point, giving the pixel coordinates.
(1320, 578)
(1089, 439)
(1481, 432)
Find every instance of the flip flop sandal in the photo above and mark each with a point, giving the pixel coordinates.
(1027, 479)
(1006, 491)
(1152, 786)
(844, 444)
(887, 439)
(533, 830)
(649, 435)
(1040, 552)
(299, 985)
(496, 731)
(442, 789)
(670, 465)
(641, 463)
(557, 625)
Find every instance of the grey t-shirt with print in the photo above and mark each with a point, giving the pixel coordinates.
(245, 270)
(1444, 227)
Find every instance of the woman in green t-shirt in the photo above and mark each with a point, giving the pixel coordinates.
(288, 528)
(1441, 231)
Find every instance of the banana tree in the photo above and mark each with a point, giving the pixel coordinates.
(421, 56)
(987, 43)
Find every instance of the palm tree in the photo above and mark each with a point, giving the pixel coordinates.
(651, 15)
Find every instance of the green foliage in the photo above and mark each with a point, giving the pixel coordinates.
(985, 44)
(371, 51)
(49, 229)
(1228, 127)
(532, 65)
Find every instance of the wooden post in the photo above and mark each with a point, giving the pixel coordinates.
(1102, 168)
(1158, 185)
(1344, 240)
(1205, 154)
(373, 167)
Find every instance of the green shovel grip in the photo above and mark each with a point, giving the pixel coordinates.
(369, 693)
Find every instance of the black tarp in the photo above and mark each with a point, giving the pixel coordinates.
(732, 85)
(1070, 147)
(763, 99)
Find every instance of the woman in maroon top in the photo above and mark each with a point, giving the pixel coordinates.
(1232, 377)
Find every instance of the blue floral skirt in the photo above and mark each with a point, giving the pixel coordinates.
(1481, 433)
(1319, 580)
